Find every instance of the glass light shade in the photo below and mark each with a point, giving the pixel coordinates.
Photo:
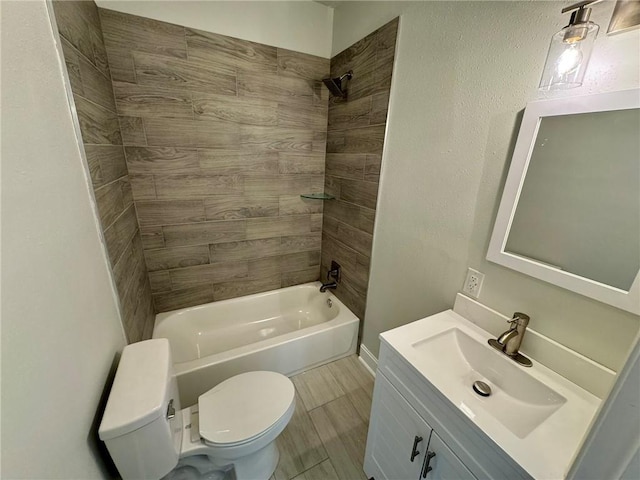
(568, 56)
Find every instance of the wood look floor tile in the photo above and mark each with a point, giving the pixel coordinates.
(145, 101)
(98, 125)
(295, 64)
(125, 32)
(132, 130)
(106, 163)
(361, 399)
(160, 281)
(322, 471)
(118, 235)
(206, 47)
(95, 86)
(244, 250)
(73, 26)
(177, 257)
(349, 425)
(239, 288)
(351, 374)
(302, 276)
(173, 300)
(299, 444)
(343, 442)
(317, 387)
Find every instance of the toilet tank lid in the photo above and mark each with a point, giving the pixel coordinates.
(139, 390)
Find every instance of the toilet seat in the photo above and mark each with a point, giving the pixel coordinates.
(245, 408)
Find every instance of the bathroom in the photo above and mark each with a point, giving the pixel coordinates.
(462, 74)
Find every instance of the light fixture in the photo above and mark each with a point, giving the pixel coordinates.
(570, 50)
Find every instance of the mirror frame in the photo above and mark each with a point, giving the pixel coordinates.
(535, 111)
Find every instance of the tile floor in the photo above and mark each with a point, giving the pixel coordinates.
(326, 437)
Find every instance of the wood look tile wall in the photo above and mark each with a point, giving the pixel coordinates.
(221, 137)
(354, 151)
(86, 61)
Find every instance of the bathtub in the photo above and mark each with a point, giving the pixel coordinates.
(287, 331)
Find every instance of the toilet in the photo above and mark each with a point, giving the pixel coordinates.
(233, 426)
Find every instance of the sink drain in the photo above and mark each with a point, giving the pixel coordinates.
(481, 388)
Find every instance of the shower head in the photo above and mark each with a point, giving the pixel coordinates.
(335, 85)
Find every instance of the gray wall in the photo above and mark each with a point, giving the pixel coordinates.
(464, 71)
(61, 329)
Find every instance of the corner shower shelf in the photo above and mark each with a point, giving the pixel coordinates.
(318, 196)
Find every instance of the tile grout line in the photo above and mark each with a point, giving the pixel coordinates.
(345, 394)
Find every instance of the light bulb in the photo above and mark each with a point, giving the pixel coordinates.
(569, 53)
(569, 60)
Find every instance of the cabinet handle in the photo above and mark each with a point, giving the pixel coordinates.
(427, 468)
(414, 451)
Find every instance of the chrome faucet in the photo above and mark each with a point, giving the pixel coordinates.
(333, 273)
(509, 342)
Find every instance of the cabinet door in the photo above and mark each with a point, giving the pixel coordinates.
(443, 463)
(396, 434)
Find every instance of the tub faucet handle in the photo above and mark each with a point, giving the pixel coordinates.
(334, 271)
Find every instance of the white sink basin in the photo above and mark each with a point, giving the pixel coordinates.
(517, 400)
(533, 414)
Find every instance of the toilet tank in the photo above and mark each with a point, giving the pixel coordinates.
(142, 437)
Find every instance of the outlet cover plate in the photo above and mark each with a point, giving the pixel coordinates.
(473, 283)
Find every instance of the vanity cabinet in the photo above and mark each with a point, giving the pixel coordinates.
(402, 446)
(411, 420)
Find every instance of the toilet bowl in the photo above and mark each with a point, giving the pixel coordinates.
(234, 426)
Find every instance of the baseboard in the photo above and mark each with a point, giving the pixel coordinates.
(368, 360)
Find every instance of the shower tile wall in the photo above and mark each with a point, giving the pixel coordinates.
(86, 61)
(221, 137)
(354, 151)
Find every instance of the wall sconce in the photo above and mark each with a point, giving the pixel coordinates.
(570, 50)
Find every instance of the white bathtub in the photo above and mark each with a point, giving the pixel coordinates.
(287, 331)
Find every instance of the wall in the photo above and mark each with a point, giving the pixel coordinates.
(354, 153)
(60, 324)
(303, 26)
(222, 135)
(464, 72)
(88, 71)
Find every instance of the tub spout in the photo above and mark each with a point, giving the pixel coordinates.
(327, 286)
(333, 273)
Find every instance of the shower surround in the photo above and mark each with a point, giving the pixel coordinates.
(86, 61)
(200, 145)
(221, 137)
(354, 154)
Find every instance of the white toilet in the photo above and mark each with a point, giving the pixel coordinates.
(234, 425)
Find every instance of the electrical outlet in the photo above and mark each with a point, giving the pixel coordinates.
(473, 283)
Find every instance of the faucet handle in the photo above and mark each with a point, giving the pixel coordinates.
(519, 318)
(334, 271)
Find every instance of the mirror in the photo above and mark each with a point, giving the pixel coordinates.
(570, 210)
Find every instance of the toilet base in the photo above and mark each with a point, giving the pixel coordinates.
(198, 467)
(207, 460)
(259, 465)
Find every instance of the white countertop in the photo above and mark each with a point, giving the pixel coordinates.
(548, 450)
